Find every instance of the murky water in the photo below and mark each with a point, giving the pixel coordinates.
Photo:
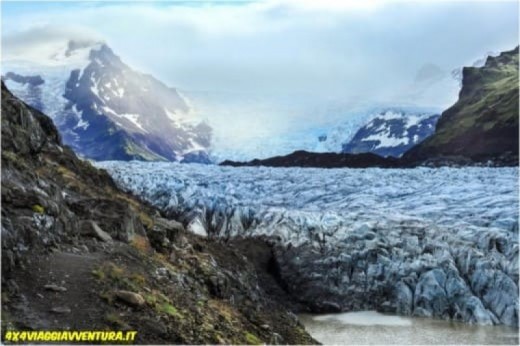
(373, 328)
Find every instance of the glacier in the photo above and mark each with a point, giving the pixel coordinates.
(249, 126)
(439, 243)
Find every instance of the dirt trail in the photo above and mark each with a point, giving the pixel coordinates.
(75, 308)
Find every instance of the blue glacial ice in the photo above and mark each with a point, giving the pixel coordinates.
(427, 242)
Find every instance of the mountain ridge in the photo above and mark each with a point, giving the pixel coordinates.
(391, 133)
(106, 110)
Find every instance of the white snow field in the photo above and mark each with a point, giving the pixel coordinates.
(434, 242)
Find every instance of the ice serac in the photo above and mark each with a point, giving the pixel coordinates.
(392, 133)
(106, 110)
(483, 124)
(440, 243)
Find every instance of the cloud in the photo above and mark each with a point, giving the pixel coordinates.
(357, 50)
(41, 41)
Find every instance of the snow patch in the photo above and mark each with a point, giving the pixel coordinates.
(386, 140)
(390, 115)
(94, 88)
(412, 120)
(134, 119)
(81, 123)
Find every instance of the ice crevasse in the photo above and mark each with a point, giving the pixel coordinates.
(427, 242)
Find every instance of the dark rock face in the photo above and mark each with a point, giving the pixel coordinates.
(64, 221)
(323, 160)
(391, 134)
(25, 131)
(483, 124)
(111, 112)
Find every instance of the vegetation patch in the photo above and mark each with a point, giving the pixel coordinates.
(9, 155)
(161, 304)
(141, 244)
(168, 309)
(116, 320)
(119, 277)
(38, 209)
(146, 220)
(252, 339)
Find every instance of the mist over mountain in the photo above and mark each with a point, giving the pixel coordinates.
(266, 125)
(106, 110)
(270, 77)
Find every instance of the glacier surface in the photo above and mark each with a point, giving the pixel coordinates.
(426, 242)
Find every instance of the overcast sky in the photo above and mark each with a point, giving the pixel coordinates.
(359, 49)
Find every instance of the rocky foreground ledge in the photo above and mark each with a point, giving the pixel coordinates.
(80, 254)
(439, 243)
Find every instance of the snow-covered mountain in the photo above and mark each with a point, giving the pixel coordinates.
(392, 133)
(106, 110)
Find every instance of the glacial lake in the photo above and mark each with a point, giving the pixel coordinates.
(373, 328)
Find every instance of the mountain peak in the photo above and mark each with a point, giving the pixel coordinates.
(105, 110)
(392, 132)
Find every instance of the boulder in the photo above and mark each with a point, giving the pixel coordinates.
(55, 288)
(91, 228)
(61, 310)
(164, 233)
(131, 298)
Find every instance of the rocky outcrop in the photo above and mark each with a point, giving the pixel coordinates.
(483, 124)
(80, 254)
(322, 160)
(131, 298)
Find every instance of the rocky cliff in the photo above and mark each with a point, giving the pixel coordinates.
(483, 124)
(78, 253)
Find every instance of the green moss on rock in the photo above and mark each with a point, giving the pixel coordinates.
(38, 209)
(252, 339)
